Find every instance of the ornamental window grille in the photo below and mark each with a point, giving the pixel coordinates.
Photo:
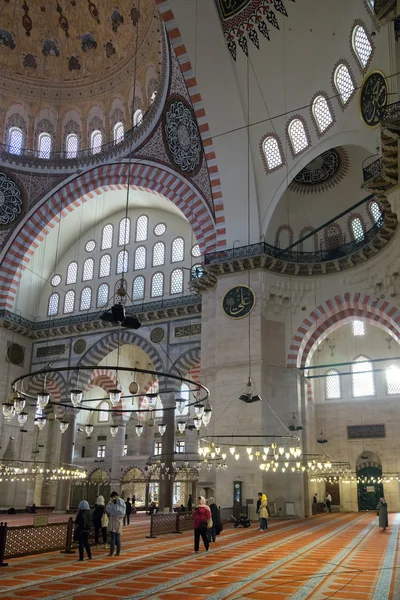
(344, 83)
(96, 141)
(157, 285)
(56, 280)
(196, 252)
(138, 288)
(160, 229)
(71, 145)
(122, 262)
(118, 132)
(176, 281)
(358, 328)
(44, 145)
(297, 135)
(393, 380)
(142, 225)
(363, 382)
(140, 258)
(90, 246)
(88, 269)
(361, 45)
(157, 448)
(72, 272)
(105, 266)
(158, 254)
(322, 113)
(137, 117)
(272, 153)
(86, 298)
(178, 250)
(107, 237)
(54, 302)
(101, 450)
(357, 229)
(124, 231)
(69, 302)
(102, 294)
(375, 211)
(15, 140)
(332, 385)
(103, 412)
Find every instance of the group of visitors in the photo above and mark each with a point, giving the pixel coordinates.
(327, 501)
(262, 511)
(381, 509)
(206, 521)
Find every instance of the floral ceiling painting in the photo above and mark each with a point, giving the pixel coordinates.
(244, 20)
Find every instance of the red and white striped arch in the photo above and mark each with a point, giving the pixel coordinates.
(333, 314)
(104, 379)
(144, 176)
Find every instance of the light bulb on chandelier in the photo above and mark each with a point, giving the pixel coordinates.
(162, 428)
(22, 418)
(43, 399)
(114, 430)
(88, 429)
(76, 397)
(139, 430)
(115, 396)
(63, 426)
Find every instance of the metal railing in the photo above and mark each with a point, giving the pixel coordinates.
(372, 170)
(390, 115)
(168, 523)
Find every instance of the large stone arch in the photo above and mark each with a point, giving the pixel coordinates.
(186, 361)
(104, 379)
(55, 385)
(333, 314)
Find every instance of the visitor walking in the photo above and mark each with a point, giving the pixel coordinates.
(263, 513)
(128, 510)
(201, 518)
(382, 512)
(83, 523)
(190, 503)
(214, 516)
(258, 507)
(100, 521)
(116, 512)
(328, 501)
(134, 504)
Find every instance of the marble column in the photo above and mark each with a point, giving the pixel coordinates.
(168, 450)
(66, 456)
(117, 452)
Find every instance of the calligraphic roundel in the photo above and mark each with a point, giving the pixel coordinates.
(238, 302)
(373, 98)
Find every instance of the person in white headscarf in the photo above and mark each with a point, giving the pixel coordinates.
(382, 512)
(83, 524)
(116, 512)
(100, 521)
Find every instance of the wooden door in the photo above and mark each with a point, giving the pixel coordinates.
(333, 489)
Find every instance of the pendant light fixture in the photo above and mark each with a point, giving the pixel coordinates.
(63, 426)
(114, 430)
(89, 429)
(76, 397)
(43, 399)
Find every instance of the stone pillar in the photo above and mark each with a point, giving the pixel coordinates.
(117, 451)
(66, 456)
(301, 386)
(168, 450)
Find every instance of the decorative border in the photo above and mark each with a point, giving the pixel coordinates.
(281, 228)
(280, 146)
(343, 61)
(314, 120)
(307, 132)
(232, 288)
(303, 188)
(367, 76)
(360, 22)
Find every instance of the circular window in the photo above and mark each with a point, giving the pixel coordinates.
(56, 280)
(160, 229)
(196, 251)
(90, 246)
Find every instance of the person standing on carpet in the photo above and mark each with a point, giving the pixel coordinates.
(315, 499)
(214, 515)
(263, 513)
(116, 512)
(258, 507)
(100, 521)
(83, 523)
(382, 512)
(190, 503)
(201, 518)
(328, 501)
(128, 508)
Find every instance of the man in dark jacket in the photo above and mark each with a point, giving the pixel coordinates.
(258, 506)
(190, 503)
(128, 506)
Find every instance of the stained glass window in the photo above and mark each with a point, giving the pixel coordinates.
(102, 295)
(44, 145)
(158, 254)
(124, 231)
(362, 377)
(96, 141)
(15, 139)
(122, 262)
(344, 83)
(157, 285)
(118, 133)
(272, 153)
(86, 298)
(357, 228)
(297, 135)
(177, 281)
(54, 301)
(140, 258)
(69, 302)
(107, 237)
(393, 380)
(72, 272)
(361, 45)
(322, 113)
(138, 288)
(71, 145)
(105, 266)
(332, 385)
(178, 250)
(141, 228)
(88, 269)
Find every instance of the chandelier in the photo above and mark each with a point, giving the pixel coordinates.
(23, 470)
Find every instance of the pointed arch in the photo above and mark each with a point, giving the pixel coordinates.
(187, 362)
(104, 379)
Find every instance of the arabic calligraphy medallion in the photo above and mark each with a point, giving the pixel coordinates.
(238, 302)
(373, 98)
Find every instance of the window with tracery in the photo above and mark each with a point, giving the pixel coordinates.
(54, 302)
(105, 266)
(15, 140)
(157, 285)
(176, 281)
(322, 113)
(140, 258)
(357, 229)
(86, 298)
(69, 302)
(158, 254)
(44, 145)
(102, 294)
(375, 211)
(138, 288)
(178, 250)
(298, 136)
(122, 262)
(107, 237)
(72, 272)
(118, 132)
(361, 45)
(96, 141)
(88, 269)
(272, 153)
(363, 382)
(393, 380)
(124, 231)
(344, 83)
(71, 145)
(142, 225)
(332, 385)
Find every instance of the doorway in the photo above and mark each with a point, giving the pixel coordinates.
(332, 488)
(369, 471)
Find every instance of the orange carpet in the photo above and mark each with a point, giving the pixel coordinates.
(340, 556)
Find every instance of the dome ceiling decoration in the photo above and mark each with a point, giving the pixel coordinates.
(59, 42)
(242, 18)
(322, 173)
(11, 201)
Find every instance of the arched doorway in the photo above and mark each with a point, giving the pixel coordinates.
(134, 483)
(97, 484)
(369, 473)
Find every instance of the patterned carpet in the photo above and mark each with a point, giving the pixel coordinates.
(340, 556)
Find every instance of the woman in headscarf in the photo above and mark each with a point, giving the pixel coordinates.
(214, 515)
(201, 517)
(263, 513)
(83, 523)
(100, 521)
(382, 512)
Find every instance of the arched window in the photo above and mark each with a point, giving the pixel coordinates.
(160, 229)
(375, 211)
(107, 237)
(298, 136)
(358, 328)
(344, 83)
(72, 272)
(102, 295)
(332, 385)
(71, 145)
(272, 153)
(322, 113)
(138, 288)
(69, 302)
(357, 229)
(122, 262)
(284, 236)
(196, 252)
(15, 140)
(88, 269)
(86, 298)
(361, 45)
(140, 258)
(44, 145)
(96, 141)
(158, 254)
(157, 285)
(363, 382)
(105, 266)
(137, 117)
(142, 225)
(176, 281)
(103, 414)
(393, 380)
(54, 302)
(118, 132)
(124, 231)
(178, 250)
